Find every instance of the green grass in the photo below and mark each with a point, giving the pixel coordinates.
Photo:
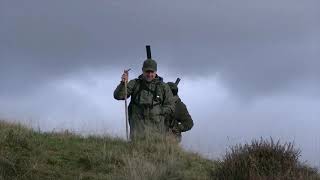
(26, 154)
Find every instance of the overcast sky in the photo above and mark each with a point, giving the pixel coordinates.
(249, 68)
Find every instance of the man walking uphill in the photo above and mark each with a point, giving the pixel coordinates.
(151, 101)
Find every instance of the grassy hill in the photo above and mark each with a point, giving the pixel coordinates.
(27, 154)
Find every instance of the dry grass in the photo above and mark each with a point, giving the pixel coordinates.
(264, 159)
(26, 154)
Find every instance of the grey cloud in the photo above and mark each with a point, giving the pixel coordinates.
(255, 47)
(265, 50)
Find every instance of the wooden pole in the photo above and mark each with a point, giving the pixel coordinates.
(126, 103)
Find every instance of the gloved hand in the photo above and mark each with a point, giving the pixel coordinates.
(124, 77)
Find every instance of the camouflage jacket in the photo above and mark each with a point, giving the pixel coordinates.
(150, 103)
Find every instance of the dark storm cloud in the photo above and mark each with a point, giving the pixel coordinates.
(60, 61)
(254, 47)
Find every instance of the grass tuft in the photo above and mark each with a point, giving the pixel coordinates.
(264, 159)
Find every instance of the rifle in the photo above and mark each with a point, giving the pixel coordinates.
(148, 49)
(177, 81)
(173, 121)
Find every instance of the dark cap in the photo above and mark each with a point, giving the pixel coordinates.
(149, 65)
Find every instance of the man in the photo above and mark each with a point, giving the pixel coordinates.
(151, 101)
(180, 120)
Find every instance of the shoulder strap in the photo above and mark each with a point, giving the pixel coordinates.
(155, 92)
(161, 84)
(136, 89)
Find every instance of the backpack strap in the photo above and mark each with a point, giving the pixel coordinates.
(136, 90)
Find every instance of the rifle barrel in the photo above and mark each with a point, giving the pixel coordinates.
(148, 49)
(177, 81)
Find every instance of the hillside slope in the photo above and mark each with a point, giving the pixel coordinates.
(26, 154)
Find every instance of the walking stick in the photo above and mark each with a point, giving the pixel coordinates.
(126, 103)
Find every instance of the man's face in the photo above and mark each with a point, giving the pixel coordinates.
(149, 75)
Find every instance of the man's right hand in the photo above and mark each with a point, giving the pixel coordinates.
(124, 77)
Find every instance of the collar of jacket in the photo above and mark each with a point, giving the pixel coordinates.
(157, 78)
